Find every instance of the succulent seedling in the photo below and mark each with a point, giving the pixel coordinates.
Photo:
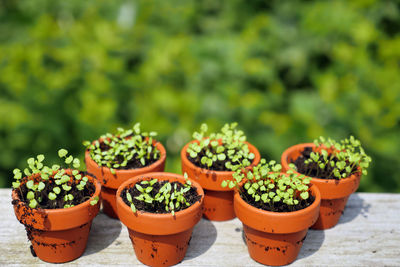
(225, 150)
(170, 196)
(58, 179)
(343, 159)
(120, 150)
(266, 187)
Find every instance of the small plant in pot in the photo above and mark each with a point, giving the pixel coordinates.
(335, 168)
(212, 158)
(160, 210)
(114, 158)
(276, 210)
(56, 205)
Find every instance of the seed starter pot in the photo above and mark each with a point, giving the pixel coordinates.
(58, 235)
(275, 238)
(334, 193)
(160, 239)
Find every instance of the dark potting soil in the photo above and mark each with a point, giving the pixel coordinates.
(58, 203)
(218, 165)
(134, 163)
(191, 197)
(312, 169)
(277, 206)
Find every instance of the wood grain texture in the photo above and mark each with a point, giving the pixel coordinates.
(368, 234)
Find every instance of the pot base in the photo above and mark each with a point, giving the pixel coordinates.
(218, 205)
(108, 196)
(273, 249)
(60, 246)
(330, 212)
(160, 250)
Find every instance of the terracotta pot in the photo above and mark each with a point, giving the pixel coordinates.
(334, 193)
(159, 239)
(111, 182)
(58, 235)
(218, 201)
(275, 238)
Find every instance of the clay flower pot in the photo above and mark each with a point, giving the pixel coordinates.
(218, 201)
(275, 238)
(58, 235)
(159, 239)
(334, 193)
(111, 182)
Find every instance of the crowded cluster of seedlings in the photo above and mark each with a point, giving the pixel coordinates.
(331, 159)
(160, 196)
(263, 186)
(225, 150)
(53, 187)
(127, 149)
(266, 187)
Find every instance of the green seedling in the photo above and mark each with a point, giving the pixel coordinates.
(168, 195)
(266, 183)
(344, 158)
(226, 147)
(115, 151)
(50, 175)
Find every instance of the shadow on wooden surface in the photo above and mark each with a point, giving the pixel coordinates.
(355, 206)
(103, 233)
(203, 237)
(312, 243)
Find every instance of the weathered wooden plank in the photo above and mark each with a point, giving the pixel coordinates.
(368, 234)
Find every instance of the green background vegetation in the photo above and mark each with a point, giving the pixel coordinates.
(287, 71)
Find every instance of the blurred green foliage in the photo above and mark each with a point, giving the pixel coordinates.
(287, 71)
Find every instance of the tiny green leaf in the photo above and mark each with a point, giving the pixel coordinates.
(139, 187)
(33, 203)
(52, 196)
(57, 190)
(40, 157)
(221, 157)
(129, 197)
(30, 195)
(133, 208)
(76, 163)
(66, 187)
(94, 201)
(27, 172)
(69, 159)
(41, 186)
(29, 184)
(31, 161)
(148, 189)
(304, 195)
(62, 153)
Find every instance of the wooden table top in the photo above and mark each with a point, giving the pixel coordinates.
(368, 234)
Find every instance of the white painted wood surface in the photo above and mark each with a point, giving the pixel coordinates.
(368, 234)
